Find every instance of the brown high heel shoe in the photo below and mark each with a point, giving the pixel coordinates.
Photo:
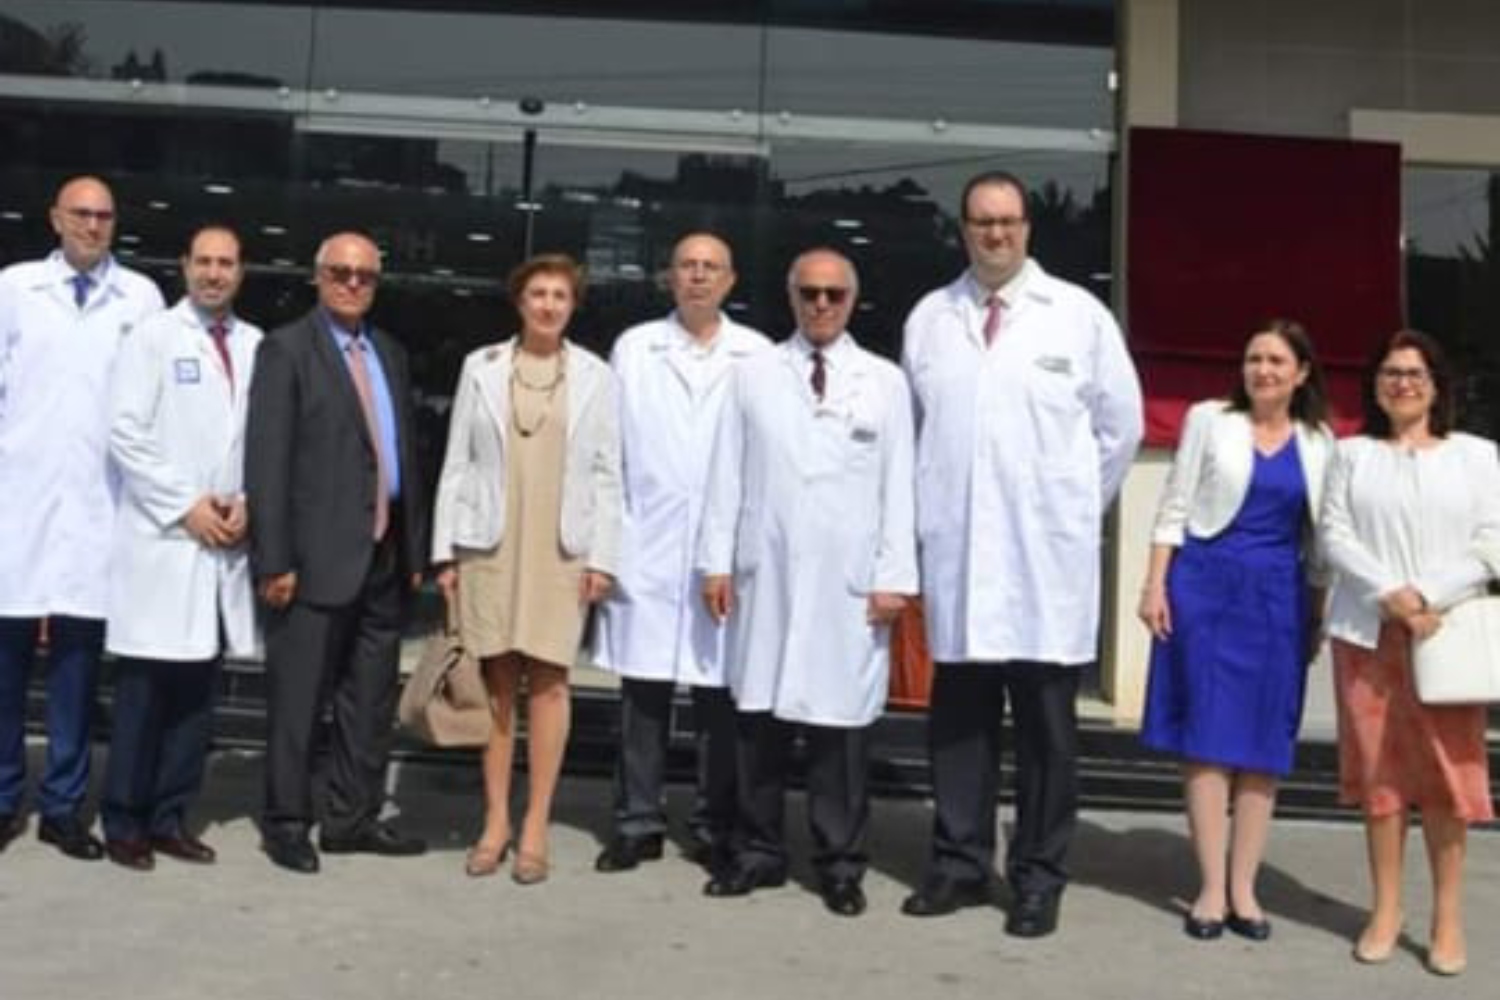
(484, 859)
(529, 869)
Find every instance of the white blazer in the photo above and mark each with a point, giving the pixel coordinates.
(470, 508)
(655, 625)
(1391, 517)
(177, 433)
(810, 508)
(1212, 468)
(57, 494)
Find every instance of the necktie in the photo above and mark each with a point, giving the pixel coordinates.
(992, 319)
(220, 333)
(359, 370)
(819, 380)
(81, 284)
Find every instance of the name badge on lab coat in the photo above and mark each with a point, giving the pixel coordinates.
(186, 371)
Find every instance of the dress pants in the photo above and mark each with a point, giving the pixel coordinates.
(72, 677)
(838, 802)
(645, 726)
(347, 655)
(968, 702)
(163, 724)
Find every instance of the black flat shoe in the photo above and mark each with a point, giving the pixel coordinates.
(624, 853)
(740, 880)
(1202, 930)
(1034, 915)
(1255, 930)
(940, 895)
(71, 836)
(843, 896)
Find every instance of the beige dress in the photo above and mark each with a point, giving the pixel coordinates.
(523, 596)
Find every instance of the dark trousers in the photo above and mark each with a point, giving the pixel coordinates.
(73, 654)
(163, 724)
(347, 655)
(968, 702)
(645, 726)
(838, 802)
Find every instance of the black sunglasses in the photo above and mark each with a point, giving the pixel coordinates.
(812, 293)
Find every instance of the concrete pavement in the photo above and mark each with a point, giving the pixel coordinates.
(374, 928)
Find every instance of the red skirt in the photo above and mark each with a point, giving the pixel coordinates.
(1394, 751)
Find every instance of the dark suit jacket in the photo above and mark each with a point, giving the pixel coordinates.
(310, 465)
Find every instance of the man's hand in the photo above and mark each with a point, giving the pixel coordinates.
(1423, 624)
(447, 583)
(278, 591)
(236, 517)
(883, 608)
(595, 586)
(718, 594)
(207, 524)
(1402, 604)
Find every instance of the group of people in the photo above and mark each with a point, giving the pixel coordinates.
(1261, 512)
(741, 518)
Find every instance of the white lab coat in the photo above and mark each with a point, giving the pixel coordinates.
(57, 491)
(1021, 447)
(655, 625)
(177, 433)
(810, 507)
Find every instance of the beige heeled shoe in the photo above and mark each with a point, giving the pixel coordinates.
(484, 859)
(529, 869)
(1368, 951)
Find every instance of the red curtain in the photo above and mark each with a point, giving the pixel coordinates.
(1229, 230)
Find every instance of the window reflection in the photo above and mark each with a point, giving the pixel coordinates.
(1452, 220)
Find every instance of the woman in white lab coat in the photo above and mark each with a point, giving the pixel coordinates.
(527, 526)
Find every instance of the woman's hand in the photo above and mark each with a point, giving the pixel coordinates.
(1423, 624)
(447, 583)
(595, 586)
(1402, 604)
(1154, 611)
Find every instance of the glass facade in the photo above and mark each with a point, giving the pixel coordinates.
(464, 135)
(1452, 220)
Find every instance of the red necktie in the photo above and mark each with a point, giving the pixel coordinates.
(220, 333)
(819, 378)
(359, 370)
(992, 319)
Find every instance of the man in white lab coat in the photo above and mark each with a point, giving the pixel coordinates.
(808, 548)
(179, 573)
(1029, 412)
(61, 320)
(655, 631)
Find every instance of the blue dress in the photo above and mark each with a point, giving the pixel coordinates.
(1226, 686)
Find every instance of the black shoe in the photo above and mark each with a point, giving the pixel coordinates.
(624, 853)
(1202, 929)
(69, 835)
(939, 895)
(742, 880)
(133, 853)
(10, 828)
(1034, 915)
(843, 896)
(378, 838)
(1255, 930)
(185, 847)
(292, 851)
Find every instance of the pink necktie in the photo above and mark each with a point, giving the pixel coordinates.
(220, 333)
(819, 378)
(359, 370)
(992, 319)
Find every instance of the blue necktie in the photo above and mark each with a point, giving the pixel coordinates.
(81, 284)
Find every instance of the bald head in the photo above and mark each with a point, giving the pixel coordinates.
(347, 269)
(822, 284)
(83, 217)
(701, 277)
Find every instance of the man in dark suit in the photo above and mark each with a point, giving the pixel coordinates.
(338, 533)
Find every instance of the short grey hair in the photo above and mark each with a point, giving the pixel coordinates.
(824, 251)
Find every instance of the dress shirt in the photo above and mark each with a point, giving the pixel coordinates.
(385, 406)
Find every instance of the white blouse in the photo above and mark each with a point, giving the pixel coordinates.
(1394, 516)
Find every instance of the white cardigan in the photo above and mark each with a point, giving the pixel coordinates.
(1393, 516)
(470, 508)
(1211, 472)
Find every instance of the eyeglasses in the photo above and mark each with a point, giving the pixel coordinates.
(343, 274)
(810, 294)
(1392, 376)
(1008, 223)
(99, 215)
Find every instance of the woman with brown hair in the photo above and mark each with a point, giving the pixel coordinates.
(1411, 525)
(527, 527)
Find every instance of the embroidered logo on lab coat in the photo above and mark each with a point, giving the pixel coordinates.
(186, 371)
(1055, 364)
